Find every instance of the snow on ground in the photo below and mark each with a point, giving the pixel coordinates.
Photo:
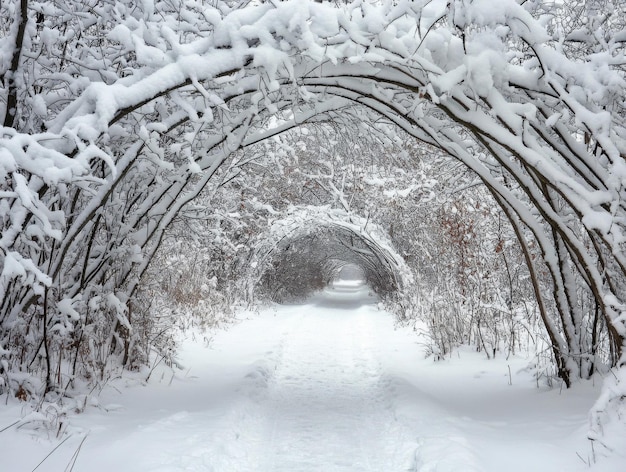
(329, 385)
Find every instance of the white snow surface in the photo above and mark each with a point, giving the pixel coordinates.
(328, 385)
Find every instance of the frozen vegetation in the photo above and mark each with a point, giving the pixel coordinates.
(167, 165)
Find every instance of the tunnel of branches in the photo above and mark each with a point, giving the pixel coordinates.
(310, 260)
(94, 171)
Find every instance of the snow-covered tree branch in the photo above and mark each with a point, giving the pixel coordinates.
(117, 116)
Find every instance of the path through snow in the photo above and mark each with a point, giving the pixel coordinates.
(327, 400)
(330, 385)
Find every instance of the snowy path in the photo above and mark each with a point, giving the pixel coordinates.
(328, 403)
(325, 398)
(327, 386)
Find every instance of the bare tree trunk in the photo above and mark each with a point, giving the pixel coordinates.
(10, 76)
(45, 341)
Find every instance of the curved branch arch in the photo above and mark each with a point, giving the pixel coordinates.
(340, 238)
(486, 83)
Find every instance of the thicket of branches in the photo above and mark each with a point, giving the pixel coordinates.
(118, 115)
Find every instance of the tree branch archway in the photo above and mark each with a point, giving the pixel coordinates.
(89, 188)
